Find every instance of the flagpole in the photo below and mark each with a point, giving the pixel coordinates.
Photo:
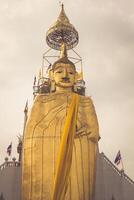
(122, 165)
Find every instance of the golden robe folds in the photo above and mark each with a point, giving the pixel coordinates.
(41, 147)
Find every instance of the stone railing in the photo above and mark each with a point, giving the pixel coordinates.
(7, 163)
(119, 172)
(128, 179)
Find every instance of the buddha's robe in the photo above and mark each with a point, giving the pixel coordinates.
(41, 147)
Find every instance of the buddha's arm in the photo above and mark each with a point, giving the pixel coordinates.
(87, 120)
(93, 123)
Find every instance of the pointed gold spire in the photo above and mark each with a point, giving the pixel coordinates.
(25, 115)
(26, 107)
(62, 17)
(62, 32)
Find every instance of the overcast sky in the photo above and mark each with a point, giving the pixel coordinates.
(106, 32)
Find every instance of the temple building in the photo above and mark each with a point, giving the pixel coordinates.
(59, 156)
(111, 184)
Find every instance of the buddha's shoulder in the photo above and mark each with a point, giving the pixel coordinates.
(51, 97)
(60, 96)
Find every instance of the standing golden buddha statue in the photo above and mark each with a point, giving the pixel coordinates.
(60, 139)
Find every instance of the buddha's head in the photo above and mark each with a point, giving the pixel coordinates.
(63, 73)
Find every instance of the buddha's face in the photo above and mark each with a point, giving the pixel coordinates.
(64, 76)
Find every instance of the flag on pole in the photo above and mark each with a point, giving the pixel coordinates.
(118, 158)
(9, 149)
(118, 161)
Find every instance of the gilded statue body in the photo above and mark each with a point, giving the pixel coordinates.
(74, 177)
